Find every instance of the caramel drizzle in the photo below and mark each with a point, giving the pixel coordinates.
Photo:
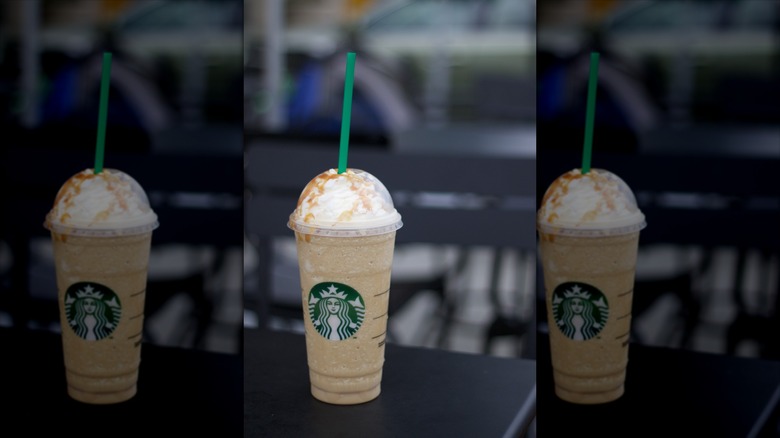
(560, 188)
(316, 188)
(73, 187)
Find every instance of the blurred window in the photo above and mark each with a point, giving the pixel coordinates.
(426, 14)
(181, 15)
(511, 14)
(669, 15)
(755, 15)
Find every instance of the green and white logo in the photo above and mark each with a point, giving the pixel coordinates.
(580, 310)
(93, 310)
(336, 310)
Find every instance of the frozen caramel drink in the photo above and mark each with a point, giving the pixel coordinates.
(589, 234)
(101, 228)
(345, 227)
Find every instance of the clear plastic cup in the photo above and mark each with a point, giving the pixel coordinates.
(589, 236)
(101, 259)
(345, 257)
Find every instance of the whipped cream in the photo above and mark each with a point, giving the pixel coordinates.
(354, 200)
(109, 201)
(598, 201)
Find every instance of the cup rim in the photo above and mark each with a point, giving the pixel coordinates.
(101, 232)
(592, 232)
(344, 231)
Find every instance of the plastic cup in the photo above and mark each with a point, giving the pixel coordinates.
(588, 242)
(101, 262)
(345, 264)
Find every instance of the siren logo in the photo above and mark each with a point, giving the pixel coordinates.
(92, 310)
(336, 310)
(580, 310)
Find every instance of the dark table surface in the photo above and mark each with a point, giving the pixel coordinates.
(670, 393)
(182, 392)
(425, 393)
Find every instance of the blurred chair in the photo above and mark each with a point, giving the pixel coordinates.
(747, 99)
(69, 109)
(504, 98)
(625, 108)
(758, 321)
(380, 107)
(460, 200)
(510, 324)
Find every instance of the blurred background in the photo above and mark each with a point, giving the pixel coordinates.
(687, 114)
(688, 90)
(443, 113)
(174, 124)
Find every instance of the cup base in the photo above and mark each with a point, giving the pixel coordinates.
(589, 389)
(102, 390)
(102, 398)
(350, 398)
(589, 398)
(345, 390)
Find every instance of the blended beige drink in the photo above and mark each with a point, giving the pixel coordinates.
(589, 234)
(345, 227)
(101, 227)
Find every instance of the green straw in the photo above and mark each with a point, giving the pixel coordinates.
(346, 112)
(590, 112)
(101, 135)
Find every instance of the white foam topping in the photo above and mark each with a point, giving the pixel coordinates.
(353, 200)
(110, 200)
(596, 201)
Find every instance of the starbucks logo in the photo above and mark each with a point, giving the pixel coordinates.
(580, 310)
(93, 310)
(336, 310)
